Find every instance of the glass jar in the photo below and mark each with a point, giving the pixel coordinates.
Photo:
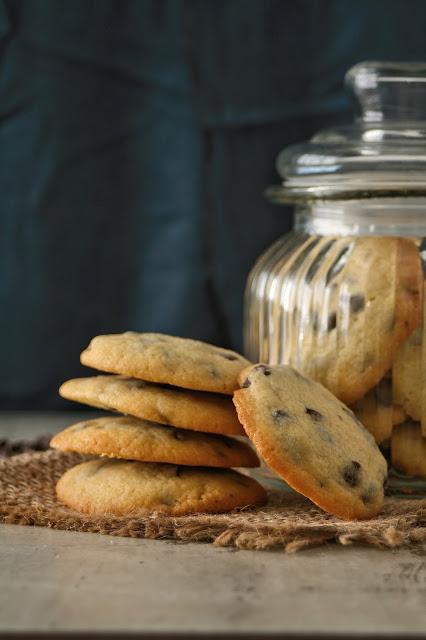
(341, 298)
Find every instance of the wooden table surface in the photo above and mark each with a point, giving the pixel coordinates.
(61, 581)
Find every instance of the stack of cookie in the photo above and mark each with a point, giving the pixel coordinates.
(170, 451)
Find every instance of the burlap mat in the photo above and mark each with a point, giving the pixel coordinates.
(289, 522)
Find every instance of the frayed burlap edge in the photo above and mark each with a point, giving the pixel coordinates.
(289, 522)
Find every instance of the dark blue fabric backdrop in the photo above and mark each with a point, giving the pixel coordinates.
(136, 139)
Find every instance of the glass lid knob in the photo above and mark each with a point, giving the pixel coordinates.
(389, 90)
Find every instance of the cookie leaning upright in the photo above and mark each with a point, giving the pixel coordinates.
(160, 358)
(312, 440)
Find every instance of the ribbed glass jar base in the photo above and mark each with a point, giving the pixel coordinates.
(341, 299)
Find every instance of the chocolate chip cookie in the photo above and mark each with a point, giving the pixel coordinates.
(407, 376)
(134, 439)
(365, 308)
(377, 412)
(312, 440)
(408, 449)
(197, 410)
(157, 357)
(126, 488)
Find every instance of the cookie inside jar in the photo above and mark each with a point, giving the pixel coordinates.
(341, 298)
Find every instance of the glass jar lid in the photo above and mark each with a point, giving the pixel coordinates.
(382, 153)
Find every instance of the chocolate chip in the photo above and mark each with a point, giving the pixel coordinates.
(229, 356)
(357, 303)
(179, 435)
(332, 321)
(315, 415)
(351, 473)
(279, 415)
(246, 383)
(264, 369)
(317, 418)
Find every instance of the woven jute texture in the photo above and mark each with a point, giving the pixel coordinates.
(289, 522)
